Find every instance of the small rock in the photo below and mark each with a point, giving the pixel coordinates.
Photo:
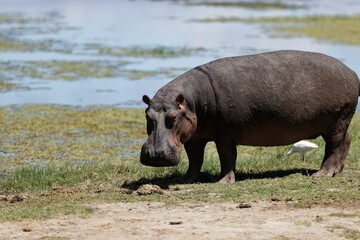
(175, 222)
(3, 198)
(26, 229)
(244, 205)
(275, 199)
(16, 198)
(12, 198)
(148, 189)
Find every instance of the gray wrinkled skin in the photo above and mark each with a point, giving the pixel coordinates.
(268, 99)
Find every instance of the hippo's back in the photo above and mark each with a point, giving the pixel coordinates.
(281, 89)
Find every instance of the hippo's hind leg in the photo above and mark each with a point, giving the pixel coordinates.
(337, 147)
(227, 154)
(195, 151)
(335, 156)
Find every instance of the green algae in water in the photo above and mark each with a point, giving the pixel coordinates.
(14, 45)
(75, 70)
(13, 18)
(140, 74)
(143, 52)
(6, 86)
(260, 5)
(338, 29)
(64, 70)
(14, 26)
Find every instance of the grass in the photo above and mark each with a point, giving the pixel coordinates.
(348, 233)
(337, 29)
(352, 234)
(74, 70)
(64, 70)
(257, 5)
(142, 52)
(19, 46)
(6, 86)
(67, 157)
(346, 215)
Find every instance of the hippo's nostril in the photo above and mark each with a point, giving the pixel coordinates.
(145, 153)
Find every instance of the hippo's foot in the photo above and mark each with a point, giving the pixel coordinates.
(187, 178)
(327, 172)
(323, 172)
(228, 178)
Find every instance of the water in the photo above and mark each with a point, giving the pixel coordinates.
(149, 24)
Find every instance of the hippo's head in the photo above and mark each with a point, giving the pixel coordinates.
(170, 123)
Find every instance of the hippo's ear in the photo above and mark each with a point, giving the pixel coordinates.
(180, 100)
(146, 99)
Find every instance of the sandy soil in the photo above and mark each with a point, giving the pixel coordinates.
(143, 220)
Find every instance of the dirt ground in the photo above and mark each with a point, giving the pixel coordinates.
(145, 220)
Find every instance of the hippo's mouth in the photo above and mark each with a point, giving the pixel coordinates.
(161, 159)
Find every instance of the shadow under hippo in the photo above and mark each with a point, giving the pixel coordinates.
(270, 99)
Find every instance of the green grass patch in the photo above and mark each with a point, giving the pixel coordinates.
(260, 5)
(348, 233)
(42, 134)
(14, 26)
(257, 5)
(337, 29)
(352, 234)
(43, 209)
(66, 157)
(6, 86)
(143, 52)
(18, 46)
(346, 215)
(64, 70)
(7, 18)
(74, 70)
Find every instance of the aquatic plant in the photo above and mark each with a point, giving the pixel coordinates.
(338, 29)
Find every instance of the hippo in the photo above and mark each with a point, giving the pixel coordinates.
(268, 99)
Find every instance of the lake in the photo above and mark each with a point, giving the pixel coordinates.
(112, 52)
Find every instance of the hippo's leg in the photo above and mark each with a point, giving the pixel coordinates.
(336, 149)
(227, 154)
(195, 151)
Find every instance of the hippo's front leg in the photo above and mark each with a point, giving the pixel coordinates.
(195, 151)
(227, 154)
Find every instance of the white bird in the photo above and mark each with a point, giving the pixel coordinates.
(302, 147)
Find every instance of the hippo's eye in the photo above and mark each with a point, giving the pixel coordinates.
(170, 121)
